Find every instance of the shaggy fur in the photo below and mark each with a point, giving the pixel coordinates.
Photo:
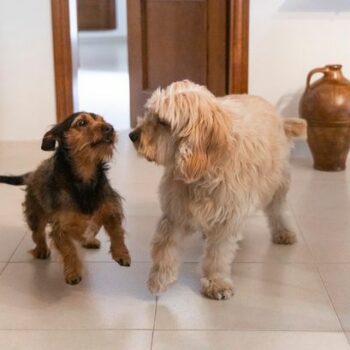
(224, 158)
(70, 192)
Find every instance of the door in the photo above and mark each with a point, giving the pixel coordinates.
(96, 14)
(172, 40)
(202, 40)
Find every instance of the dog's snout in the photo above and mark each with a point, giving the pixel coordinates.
(134, 136)
(107, 129)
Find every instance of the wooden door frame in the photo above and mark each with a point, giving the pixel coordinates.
(238, 66)
(64, 31)
(65, 50)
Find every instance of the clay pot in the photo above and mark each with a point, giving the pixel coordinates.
(325, 105)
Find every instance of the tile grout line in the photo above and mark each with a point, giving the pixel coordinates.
(154, 322)
(320, 274)
(296, 219)
(13, 253)
(331, 301)
(223, 330)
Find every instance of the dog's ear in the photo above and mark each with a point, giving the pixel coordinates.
(49, 141)
(191, 162)
(205, 149)
(56, 134)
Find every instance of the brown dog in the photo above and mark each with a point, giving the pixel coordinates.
(70, 191)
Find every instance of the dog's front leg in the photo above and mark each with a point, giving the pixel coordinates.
(66, 247)
(115, 231)
(221, 246)
(165, 256)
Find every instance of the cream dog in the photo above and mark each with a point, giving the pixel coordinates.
(224, 158)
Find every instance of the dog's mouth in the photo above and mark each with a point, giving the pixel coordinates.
(106, 141)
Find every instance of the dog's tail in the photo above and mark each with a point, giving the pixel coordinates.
(295, 128)
(15, 180)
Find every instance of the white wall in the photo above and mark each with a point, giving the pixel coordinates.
(288, 39)
(27, 93)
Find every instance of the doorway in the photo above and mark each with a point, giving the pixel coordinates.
(103, 77)
(159, 50)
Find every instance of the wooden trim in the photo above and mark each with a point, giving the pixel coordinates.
(239, 46)
(136, 56)
(64, 30)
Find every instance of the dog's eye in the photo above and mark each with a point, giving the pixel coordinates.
(82, 122)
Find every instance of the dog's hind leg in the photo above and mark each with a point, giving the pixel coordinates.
(276, 212)
(37, 224)
(41, 251)
(221, 246)
(165, 256)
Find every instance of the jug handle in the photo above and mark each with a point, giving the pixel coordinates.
(312, 72)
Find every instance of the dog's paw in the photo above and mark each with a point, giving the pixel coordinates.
(284, 237)
(217, 288)
(73, 278)
(125, 261)
(160, 279)
(92, 244)
(40, 253)
(122, 258)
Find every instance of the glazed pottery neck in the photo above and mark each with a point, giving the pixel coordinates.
(330, 72)
(334, 72)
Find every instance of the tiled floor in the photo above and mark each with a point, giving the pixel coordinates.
(286, 298)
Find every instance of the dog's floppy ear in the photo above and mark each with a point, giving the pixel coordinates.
(57, 132)
(204, 149)
(49, 141)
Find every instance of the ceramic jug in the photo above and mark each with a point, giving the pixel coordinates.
(325, 104)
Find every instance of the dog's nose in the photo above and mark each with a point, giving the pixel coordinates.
(107, 129)
(134, 136)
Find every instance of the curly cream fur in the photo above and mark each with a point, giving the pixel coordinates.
(224, 158)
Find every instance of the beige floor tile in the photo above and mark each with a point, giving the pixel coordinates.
(257, 246)
(268, 297)
(77, 340)
(34, 296)
(2, 266)
(10, 236)
(224, 340)
(337, 281)
(348, 336)
(328, 238)
(11, 199)
(320, 199)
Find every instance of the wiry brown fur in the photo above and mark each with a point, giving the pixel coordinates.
(224, 158)
(71, 193)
